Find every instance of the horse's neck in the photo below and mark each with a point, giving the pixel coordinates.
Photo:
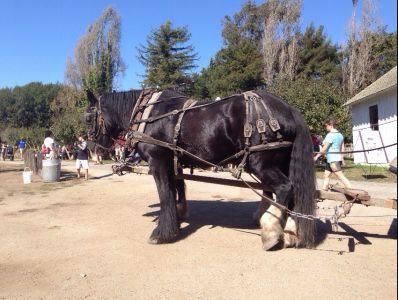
(123, 109)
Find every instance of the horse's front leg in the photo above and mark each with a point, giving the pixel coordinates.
(168, 225)
(262, 208)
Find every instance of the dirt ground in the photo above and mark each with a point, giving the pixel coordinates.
(79, 239)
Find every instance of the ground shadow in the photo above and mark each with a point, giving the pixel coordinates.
(373, 176)
(11, 170)
(229, 214)
(392, 231)
(67, 176)
(103, 176)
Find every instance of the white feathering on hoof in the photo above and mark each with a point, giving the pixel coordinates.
(271, 229)
(290, 238)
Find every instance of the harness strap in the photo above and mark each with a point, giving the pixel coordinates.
(142, 109)
(144, 138)
(247, 128)
(257, 148)
(177, 128)
(137, 113)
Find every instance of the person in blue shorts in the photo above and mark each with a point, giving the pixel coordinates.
(333, 145)
(22, 147)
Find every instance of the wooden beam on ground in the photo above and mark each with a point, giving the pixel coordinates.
(223, 181)
(322, 195)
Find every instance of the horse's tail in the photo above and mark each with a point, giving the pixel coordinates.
(302, 175)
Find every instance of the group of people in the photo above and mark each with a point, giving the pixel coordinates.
(50, 151)
(7, 150)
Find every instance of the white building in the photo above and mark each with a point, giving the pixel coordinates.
(374, 120)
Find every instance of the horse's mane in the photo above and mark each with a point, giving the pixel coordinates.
(121, 103)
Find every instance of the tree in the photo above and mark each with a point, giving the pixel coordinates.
(25, 111)
(235, 68)
(280, 37)
(97, 56)
(245, 25)
(166, 57)
(67, 109)
(318, 57)
(384, 52)
(316, 100)
(28, 105)
(358, 60)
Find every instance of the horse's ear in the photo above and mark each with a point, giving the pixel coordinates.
(91, 98)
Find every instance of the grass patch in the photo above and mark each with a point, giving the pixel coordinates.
(356, 172)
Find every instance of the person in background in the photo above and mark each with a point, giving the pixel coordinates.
(315, 142)
(22, 147)
(82, 157)
(333, 142)
(3, 148)
(48, 148)
(98, 156)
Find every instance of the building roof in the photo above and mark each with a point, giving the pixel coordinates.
(385, 82)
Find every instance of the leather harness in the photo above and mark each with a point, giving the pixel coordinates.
(256, 112)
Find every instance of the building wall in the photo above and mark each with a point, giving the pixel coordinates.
(386, 135)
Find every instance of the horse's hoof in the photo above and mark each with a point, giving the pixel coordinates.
(271, 229)
(270, 241)
(154, 241)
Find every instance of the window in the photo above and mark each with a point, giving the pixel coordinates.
(374, 117)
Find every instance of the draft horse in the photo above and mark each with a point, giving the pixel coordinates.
(213, 132)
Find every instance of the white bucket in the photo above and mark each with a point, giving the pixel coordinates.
(27, 175)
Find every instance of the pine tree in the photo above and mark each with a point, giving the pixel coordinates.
(166, 57)
(235, 69)
(318, 57)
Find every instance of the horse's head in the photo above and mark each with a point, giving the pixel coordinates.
(98, 122)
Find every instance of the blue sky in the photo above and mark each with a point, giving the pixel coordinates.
(38, 36)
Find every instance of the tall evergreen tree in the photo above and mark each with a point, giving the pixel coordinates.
(318, 57)
(166, 56)
(384, 51)
(235, 68)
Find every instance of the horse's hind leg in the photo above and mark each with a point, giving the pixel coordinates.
(273, 220)
(168, 225)
(290, 238)
(182, 207)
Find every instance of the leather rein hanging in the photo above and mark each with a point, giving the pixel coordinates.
(255, 109)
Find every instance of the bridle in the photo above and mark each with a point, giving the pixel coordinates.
(97, 125)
